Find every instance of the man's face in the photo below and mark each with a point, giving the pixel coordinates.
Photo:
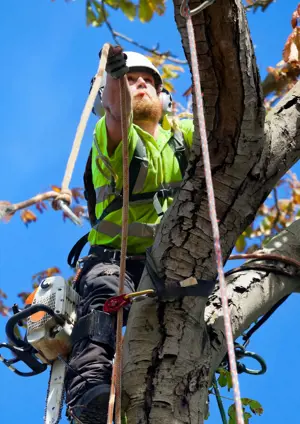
(145, 99)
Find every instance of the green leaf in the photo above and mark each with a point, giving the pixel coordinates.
(90, 15)
(245, 401)
(115, 4)
(247, 417)
(148, 7)
(222, 380)
(256, 407)
(146, 10)
(232, 414)
(128, 8)
(168, 86)
(95, 13)
(240, 243)
(248, 231)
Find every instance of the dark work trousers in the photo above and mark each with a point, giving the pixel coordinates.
(90, 359)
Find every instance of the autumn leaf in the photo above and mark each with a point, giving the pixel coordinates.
(27, 216)
(4, 310)
(40, 276)
(77, 194)
(23, 296)
(56, 188)
(41, 206)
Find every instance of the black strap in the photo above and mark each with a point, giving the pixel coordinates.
(203, 288)
(179, 147)
(136, 162)
(97, 326)
(75, 252)
(117, 203)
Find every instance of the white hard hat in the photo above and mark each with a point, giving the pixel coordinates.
(138, 62)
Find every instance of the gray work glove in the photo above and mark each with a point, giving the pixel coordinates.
(116, 62)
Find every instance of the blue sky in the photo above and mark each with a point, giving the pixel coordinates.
(48, 57)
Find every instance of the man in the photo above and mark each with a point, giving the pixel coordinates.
(157, 162)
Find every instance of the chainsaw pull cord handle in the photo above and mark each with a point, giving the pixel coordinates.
(26, 313)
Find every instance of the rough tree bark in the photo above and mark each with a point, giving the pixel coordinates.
(172, 349)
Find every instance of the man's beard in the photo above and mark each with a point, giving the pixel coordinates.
(147, 109)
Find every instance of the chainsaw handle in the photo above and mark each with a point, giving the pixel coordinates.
(26, 313)
(24, 355)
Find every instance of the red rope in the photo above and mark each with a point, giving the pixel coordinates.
(116, 386)
(213, 217)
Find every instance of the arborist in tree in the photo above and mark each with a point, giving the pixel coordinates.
(158, 149)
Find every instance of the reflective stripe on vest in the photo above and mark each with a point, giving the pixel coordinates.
(136, 229)
(102, 193)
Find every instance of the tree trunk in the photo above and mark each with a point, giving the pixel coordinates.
(172, 349)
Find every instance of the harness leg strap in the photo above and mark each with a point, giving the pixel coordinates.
(98, 326)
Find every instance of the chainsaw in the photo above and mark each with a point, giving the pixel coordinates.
(50, 318)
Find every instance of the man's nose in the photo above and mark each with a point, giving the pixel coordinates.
(141, 83)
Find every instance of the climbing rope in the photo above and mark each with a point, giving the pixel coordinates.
(63, 199)
(185, 11)
(65, 195)
(117, 368)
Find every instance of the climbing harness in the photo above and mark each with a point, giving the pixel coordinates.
(185, 12)
(137, 169)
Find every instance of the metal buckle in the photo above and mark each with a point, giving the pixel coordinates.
(113, 255)
(185, 10)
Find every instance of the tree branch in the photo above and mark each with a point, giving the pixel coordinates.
(253, 293)
(168, 55)
(168, 345)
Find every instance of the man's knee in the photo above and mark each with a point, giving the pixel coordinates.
(99, 284)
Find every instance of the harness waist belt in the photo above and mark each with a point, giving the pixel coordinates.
(106, 254)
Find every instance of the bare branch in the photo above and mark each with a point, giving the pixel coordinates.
(108, 24)
(253, 293)
(167, 55)
(6, 208)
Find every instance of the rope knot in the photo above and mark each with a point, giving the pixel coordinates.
(65, 195)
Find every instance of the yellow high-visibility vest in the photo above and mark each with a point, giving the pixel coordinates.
(156, 171)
